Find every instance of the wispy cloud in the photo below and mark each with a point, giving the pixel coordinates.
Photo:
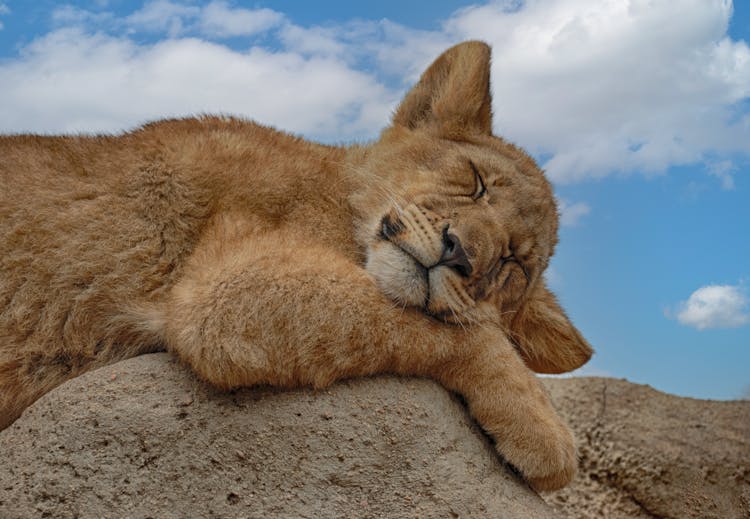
(163, 16)
(216, 19)
(220, 20)
(3, 10)
(571, 213)
(715, 306)
(597, 87)
(553, 278)
(587, 370)
(723, 170)
(69, 15)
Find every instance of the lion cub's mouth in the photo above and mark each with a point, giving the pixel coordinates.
(410, 269)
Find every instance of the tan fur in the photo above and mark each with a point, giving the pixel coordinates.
(260, 258)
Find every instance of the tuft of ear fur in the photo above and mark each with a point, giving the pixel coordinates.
(453, 95)
(546, 339)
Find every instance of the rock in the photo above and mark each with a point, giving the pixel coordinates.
(646, 454)
(144, 438)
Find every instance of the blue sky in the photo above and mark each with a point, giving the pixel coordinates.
(639, 112)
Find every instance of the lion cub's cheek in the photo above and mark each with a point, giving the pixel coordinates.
(397, 274)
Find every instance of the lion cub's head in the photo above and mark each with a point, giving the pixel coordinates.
(460, 223)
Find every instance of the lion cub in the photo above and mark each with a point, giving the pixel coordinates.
(261, 258)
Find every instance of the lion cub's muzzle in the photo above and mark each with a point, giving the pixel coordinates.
(452, 253)
(422, 263)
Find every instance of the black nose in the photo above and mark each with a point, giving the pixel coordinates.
(454, 255)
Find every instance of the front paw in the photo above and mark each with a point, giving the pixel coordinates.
(546, 457)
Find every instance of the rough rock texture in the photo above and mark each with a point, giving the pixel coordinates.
(143, 438)
(646, 454)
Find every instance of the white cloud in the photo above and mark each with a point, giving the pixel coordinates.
(3, 10)
(723, 170)
(596, 86)
(715, 306)
(218, 19)
(606, 86)
(587, 370)
(72, 81)
(69, 15)
(553, 278)
(163, 15)
(403, 51)
(571, 214)
(319, 41)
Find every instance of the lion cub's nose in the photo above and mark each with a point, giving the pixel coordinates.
(454, 255)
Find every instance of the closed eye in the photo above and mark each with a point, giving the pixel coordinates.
(480, 188)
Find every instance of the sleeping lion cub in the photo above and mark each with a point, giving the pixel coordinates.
(261, 258)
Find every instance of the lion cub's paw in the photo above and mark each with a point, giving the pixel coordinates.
(550, 460)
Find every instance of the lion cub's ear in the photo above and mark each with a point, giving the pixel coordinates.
(546, 339)
(453, 95)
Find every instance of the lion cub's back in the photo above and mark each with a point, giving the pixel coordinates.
(87, 225)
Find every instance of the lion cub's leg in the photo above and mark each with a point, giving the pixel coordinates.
(278, 311)
(510, 404)
(301, 315)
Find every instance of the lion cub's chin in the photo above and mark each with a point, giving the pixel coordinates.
(397, 274)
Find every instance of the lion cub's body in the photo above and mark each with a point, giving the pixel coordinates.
(261, 258)
(92, 228)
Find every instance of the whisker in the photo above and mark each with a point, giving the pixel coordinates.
(458, 320)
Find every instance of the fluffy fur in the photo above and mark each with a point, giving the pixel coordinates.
(261, 258)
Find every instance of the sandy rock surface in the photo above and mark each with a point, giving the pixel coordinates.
(144, 438)
(647, 454)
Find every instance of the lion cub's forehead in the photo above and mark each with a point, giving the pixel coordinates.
(500, 165)
(497, 156)
(520, 195)
(506, 168)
